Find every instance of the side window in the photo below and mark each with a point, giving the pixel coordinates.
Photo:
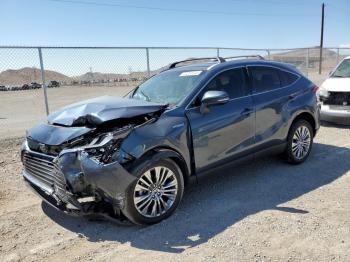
(264, 78)
(287, 78)
(233, 82)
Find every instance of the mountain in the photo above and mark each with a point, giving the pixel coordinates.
(298, 57)
(28, 75)
(313, 52)
(96, 76)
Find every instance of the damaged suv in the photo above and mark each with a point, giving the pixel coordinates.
(334, 95)
(130, 158)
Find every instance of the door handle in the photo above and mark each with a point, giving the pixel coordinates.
(247, 111)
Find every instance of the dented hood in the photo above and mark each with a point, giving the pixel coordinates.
(99, 110)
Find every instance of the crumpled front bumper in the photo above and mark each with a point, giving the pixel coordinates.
(76, 183)
(336, 114)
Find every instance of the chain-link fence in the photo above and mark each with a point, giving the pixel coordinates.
(75, 73)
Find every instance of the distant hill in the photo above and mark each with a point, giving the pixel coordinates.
(298, 57)
(28, 75)
(314, 52)
(97, 76)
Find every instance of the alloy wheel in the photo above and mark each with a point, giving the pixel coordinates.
(301, 142)
(155, 191)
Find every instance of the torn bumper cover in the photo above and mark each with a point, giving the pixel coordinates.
(75, 182)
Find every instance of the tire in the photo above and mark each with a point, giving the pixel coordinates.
(299, 142)
(165, 205)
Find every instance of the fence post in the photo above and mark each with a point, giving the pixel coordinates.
(217, 52)
(320, 62)
(337, 56)
(307, 61)
(148, 67)
(43, 80)
(268, 54)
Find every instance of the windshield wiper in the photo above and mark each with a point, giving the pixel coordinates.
(339, 76)
(146, 96)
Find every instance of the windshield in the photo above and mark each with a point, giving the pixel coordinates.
(343, 70)
(169, 87)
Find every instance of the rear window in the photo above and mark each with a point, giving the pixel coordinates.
(287, 78)
(265, 78)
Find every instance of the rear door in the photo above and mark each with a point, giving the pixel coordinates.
(272, 91)
(227, 130)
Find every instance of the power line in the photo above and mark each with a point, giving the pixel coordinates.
(290, 3)
(153, 8)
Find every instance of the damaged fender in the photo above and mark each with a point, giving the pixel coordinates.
(111, 179)
(169, 132)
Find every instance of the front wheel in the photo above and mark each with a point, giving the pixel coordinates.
(156, 193)
(299, 144)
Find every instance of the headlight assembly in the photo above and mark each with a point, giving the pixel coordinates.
(104, 151)
(104, 147)
(323, 92)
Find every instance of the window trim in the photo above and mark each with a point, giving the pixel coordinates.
(243, 67)
(275, 67)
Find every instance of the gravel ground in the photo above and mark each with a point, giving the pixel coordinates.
(266, 210)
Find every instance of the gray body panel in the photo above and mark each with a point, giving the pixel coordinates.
(225, 132)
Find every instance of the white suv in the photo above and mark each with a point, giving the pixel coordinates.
(334, 94)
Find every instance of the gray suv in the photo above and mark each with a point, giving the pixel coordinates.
(130, 158)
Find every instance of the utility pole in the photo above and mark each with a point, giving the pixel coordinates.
(321, 42)
(91, 76)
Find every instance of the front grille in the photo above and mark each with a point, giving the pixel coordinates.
(40, 167)
(338, 98)
(342, 108)
(59, 180)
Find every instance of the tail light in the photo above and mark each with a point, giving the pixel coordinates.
(314, 89)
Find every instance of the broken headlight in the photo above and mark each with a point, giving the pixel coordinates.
(104, 153)
(323, 93)
(105, 147)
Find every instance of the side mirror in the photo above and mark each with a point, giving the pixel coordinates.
(213, 98)
(330, 73)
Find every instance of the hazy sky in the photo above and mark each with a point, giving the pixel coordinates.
(221, 23)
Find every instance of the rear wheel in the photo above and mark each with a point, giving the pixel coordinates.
(300, 140)
(156, 193)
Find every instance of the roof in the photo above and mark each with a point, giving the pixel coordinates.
(231, 63)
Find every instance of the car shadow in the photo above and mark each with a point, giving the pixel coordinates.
(220, 200)
(337, 125)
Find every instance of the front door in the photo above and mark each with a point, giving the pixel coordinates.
(227, 131)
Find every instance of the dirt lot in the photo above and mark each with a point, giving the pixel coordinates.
(263, 211)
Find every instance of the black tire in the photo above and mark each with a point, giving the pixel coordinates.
(290, 156)
(130, 209)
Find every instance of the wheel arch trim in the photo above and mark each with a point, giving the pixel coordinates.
(162, 152)
(306, 115)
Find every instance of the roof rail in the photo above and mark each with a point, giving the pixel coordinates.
(217, 58)
(245, 56)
